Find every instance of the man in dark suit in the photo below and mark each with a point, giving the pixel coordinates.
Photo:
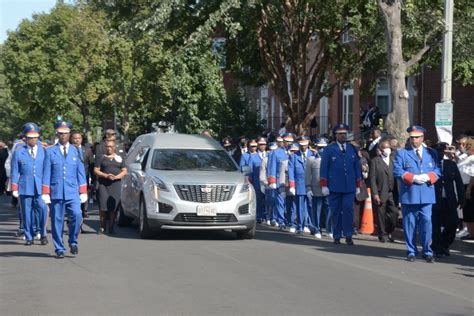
(87, 159)
(382, 184)
(449, 195)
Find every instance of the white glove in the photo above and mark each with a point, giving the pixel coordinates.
(283, 194)
(357, 191)
(424, 177)
(292, 191)
(262, 188)
(273, 186)
(309, 194)
(15, 194)
(325, 191)
(83, 197)
(418, 179)
(46, 198)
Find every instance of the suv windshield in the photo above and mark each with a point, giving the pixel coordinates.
(192, 159)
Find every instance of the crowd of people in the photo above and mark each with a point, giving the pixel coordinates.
(57, 179)
(306, 185)
(302, 185)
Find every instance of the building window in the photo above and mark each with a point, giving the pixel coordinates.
(323, 115)
(348, 106)
(382, 96)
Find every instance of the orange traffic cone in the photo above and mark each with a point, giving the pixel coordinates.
(367, 223)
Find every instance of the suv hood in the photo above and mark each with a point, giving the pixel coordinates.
(199, 177)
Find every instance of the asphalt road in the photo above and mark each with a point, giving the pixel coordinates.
(197, 273)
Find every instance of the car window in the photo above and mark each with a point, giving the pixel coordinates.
(142, 151)
(192, 159)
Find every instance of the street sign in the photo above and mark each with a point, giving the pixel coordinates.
(444, 114)
(444, 121)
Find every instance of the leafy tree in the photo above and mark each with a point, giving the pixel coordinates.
(56, 64)
(419, 25)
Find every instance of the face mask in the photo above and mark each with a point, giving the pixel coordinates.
(386, 152)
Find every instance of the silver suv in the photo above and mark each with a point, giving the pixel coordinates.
(185, 182)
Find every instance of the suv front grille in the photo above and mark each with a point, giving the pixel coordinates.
(193, 218)
(205, 193)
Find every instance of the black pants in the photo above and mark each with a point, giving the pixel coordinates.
(443, 216)
(386, 216)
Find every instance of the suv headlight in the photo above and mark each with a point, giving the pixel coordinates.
(245, 187)
(158, 186)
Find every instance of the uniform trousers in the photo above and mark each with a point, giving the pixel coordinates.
(301, 212)
(417, 215)
(268, 204)
(278, 208)
(445, 221)
(34, 214)
(260, 199)
(58, 209)
(290, 207)
(342, 213)
(320, 205)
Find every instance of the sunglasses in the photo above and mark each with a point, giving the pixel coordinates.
(415, 136)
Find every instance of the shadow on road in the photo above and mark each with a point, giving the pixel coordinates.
(360, 249)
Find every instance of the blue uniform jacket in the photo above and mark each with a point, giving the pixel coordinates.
(244, 160)
(26, 172)
(274, 162)
(63, 178)
(255, 161)
(406, 166)
(340, 172)
(296, 171)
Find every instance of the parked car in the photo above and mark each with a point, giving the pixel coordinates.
(185, 182)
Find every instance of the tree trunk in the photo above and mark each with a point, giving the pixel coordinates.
(398, 119)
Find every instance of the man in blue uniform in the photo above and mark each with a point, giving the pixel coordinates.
(417, 168)
(296, 181)
(274, 180)
(27, 176)
(65, 187)
(340, 178)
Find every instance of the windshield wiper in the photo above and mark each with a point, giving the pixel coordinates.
(166, 168)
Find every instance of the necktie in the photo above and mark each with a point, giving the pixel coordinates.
(418, 154)
(32, 153)
(343, 149)
(304, 157)
(64, 151)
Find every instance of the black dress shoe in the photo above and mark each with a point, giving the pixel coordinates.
(349, 241)
(59, 254)
(446, 252)
(29, 243)
(74, 249)
(411, 258)
(429, 259)
(337, 241)
(44, 241)
(382, 239)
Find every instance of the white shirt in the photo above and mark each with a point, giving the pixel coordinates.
(466, 168)
(342, 147)
(386, 159)
(64, 146)
(262, 154)
(35, 150)
(420, 150)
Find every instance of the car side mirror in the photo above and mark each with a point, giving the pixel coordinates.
(245, 169)
(135, 166)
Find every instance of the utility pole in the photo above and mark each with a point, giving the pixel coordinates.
(444, 109)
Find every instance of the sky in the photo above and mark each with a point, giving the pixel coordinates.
(12, 12)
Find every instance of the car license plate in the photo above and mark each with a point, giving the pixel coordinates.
(206, 210)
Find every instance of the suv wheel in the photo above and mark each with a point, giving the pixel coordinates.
(123, 220)
(143, 227)
(246, 234)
